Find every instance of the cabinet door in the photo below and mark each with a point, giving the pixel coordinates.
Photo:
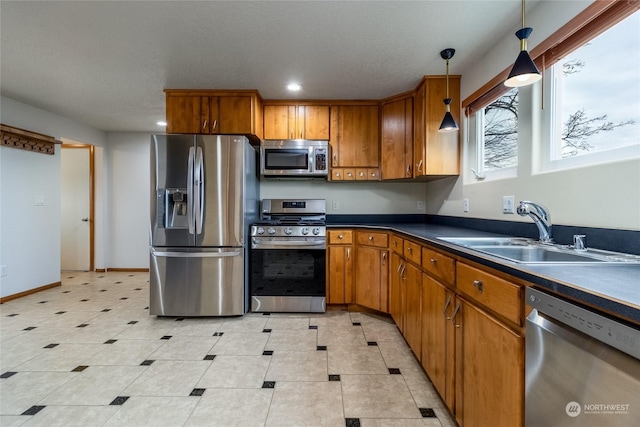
(412, 278)
(235, 116)
(397, 139)
(395, 289)
(340, 274)
(438, 345)
(312, 122)
(436, 153)
(372, 278)
(492, 365)
(279, 121)
(184, 114)
(354, 136)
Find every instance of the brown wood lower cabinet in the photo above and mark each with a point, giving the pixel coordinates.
(340, 255)
(490, 381)
(372, 270)
(438, 337)
(463, 322)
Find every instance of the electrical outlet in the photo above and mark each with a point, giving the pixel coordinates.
(508, 205)
(3, 270)
(39, 200)
(335, 205)
(420, 205)
(465, 205)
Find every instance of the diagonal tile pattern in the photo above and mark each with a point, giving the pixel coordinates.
(336, 369)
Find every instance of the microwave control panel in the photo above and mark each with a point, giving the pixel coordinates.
(321, 159)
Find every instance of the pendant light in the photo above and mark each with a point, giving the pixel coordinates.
(448, 123)
(524, 71)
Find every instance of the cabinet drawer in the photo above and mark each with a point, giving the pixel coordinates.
(340, 237)
(380, 240)
(396, 244)
(440, 266)
(412, 251)
(499, 295)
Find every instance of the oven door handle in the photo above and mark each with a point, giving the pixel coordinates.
(289, 245)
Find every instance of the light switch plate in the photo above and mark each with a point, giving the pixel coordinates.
(465, 205)
(508, 205)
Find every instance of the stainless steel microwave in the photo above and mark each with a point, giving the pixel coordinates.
(294, 158)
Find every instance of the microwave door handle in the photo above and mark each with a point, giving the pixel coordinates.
(190, 198)
(312, 153)
(199, 190)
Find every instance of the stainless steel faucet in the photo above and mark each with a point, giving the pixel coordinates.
(540, 216)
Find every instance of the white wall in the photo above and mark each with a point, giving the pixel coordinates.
(29, 234)
(604, 196)
(129, 169)
(352, 197)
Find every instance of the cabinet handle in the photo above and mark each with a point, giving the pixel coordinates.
(340, 236)
(335, 159)
(300, 134)
(395, 243)
(478, 285)
(215, 124)
(409, 170)
(338, 174)
(384, 258)
(370, 238)
(373, 174)
(399, 268)
(361, 173)
(433, 261)
(453, 316)
(447, 303)
(419, 168)
(410, 250)
(348, 254)
(404, 269)
(349, 174)
(204, 125)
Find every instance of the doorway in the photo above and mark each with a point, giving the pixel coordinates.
(77, 207)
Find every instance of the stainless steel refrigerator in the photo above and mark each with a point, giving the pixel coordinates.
(204, 197)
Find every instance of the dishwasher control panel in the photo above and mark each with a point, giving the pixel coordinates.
(611, 332)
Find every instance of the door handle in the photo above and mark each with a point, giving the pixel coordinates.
(85, 219)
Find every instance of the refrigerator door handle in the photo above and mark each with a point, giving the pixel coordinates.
(172, 254)
(190, 216)
(199, 190)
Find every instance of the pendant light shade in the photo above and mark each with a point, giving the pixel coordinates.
(524, 71)
(448, 123)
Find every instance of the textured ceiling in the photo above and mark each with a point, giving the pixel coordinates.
(105, 63)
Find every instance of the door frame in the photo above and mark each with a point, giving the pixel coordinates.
(91, 197)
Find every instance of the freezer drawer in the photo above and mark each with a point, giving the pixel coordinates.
(197, 282)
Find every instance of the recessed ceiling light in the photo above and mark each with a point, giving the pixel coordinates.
(294, 87)
(161, 123)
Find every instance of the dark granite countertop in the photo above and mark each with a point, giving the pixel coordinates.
(614, 288)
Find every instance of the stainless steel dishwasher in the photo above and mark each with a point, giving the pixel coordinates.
(582, 368)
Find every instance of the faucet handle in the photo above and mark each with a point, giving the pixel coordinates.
(580, 242)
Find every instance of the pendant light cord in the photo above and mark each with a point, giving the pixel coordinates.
(522, 13)
(447, 79)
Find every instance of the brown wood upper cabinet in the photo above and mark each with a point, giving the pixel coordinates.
(435, 153)
(355, 136)
(214, 112)
(296, 121)
(397, 138)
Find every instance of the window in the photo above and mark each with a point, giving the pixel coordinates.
(594, 116)
(497, 135)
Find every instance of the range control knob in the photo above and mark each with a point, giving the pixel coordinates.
(288, 231)
(304, 231)
(316, 231)
(271, 231)
(260, 230)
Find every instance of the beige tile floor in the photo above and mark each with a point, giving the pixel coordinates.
(89, 354)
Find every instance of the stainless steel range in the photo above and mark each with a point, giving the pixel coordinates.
(288, 256)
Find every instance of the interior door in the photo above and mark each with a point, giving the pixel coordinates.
(75, 245)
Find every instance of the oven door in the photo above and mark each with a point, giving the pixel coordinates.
(288, 280)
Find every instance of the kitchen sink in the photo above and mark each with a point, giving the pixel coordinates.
(529, 251)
